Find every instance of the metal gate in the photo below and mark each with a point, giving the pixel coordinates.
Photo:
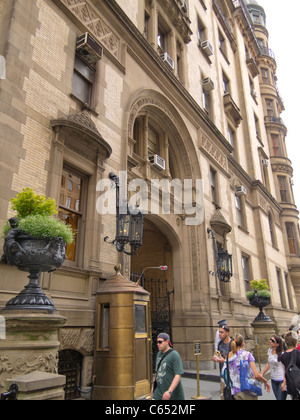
(160, 306)
(70, 365)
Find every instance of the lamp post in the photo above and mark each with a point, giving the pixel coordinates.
(223, 260)
(161, 268)
(129, 227)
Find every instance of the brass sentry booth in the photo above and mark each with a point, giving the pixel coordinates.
(123, 350)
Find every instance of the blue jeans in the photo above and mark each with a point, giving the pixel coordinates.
(276, 386)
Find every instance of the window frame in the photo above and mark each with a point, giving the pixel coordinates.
(79, 235)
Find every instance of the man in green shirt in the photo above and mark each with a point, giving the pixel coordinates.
(169, 372)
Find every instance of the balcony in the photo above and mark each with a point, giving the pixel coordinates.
(232, 110)
(275, 123)
(177, 10)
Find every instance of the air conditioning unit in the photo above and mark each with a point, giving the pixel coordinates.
(208, 84)
(207, 48)
(265, 162)
(88, 48)
(239, 191)
(158, 162)
(167, 59)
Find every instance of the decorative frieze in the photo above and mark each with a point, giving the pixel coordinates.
(92, 20)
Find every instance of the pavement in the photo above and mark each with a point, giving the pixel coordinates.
(210, 386)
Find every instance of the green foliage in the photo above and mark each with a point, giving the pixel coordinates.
(28, 203)
(39, 226)
(259, 284)
(260, 293)
(262, 289)
(35, 217)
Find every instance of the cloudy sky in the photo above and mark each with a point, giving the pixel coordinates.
(283, 26)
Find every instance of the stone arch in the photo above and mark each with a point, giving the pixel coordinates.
(182, 148)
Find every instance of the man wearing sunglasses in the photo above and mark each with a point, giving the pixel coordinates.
(169, 370)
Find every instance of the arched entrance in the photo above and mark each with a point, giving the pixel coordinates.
(156, 251)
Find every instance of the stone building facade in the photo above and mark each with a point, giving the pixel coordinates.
(190, 81)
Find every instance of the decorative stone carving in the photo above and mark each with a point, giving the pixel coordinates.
(89, 17)
(81, 340)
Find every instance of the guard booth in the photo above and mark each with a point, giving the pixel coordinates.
(123, 348)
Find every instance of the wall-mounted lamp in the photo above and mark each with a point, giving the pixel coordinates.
(129, 227)
(223, 260)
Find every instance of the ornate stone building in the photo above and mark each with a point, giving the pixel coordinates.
(187, 84)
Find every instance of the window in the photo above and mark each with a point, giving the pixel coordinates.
(291, 237)
(270, 108)
(246, 272)
(83, 80)
(280, 288)
(232, 140)
(226, 84)
(146, 25)
(265, 76)
(201, 31)
(222, 43)
(272, 230)
(140, 319)
(162, 35)
(289, 291)
(104, 326)
(179, 61)
(284, 196)
(207, 102)
(275, 145)
(257, 127)
(239, 211)
(153, 142)
(70, 207)
(213, 186)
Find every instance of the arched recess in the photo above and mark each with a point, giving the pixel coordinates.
(183, 241)
(153, 111)
(162, 246)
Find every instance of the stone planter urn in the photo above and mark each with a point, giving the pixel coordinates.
(34, 255)
(260, 302)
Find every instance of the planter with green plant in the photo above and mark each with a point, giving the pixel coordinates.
(35, 241)
(260, 297)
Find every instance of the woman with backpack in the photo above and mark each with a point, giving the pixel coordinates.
(291, 361)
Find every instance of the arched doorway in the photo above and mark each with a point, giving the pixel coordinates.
(156, 251)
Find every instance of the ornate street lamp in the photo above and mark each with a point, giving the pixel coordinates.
(223, 261)
(129, 226)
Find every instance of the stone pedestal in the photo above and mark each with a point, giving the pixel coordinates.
(39, 386)
(263, 331)
(31, 343)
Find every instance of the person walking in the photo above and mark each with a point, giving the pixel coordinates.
(167, 384)
(276, 367)
(236, 355)
(222, 351)
(221, 323)
(291, 341)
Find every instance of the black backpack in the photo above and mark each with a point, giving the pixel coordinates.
(293, 376)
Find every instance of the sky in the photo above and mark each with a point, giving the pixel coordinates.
(283, 27)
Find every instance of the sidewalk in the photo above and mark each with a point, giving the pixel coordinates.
(210, 385)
